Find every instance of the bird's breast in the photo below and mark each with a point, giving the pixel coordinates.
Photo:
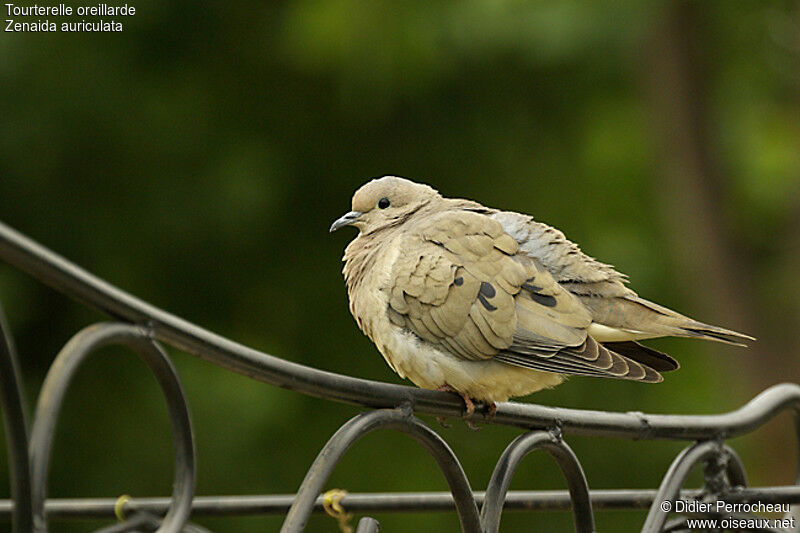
(369, 294)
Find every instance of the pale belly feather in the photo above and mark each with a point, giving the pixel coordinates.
(430, 367)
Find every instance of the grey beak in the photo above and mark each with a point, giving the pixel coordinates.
(346, 220)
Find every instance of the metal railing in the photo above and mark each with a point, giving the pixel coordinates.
(142, 327)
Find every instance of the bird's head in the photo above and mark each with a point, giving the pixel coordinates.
(385, 202)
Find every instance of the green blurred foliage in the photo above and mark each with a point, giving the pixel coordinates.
(197, 159)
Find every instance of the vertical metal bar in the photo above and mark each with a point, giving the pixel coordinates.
(54, 390)
(16, 429)
(507, 466)
(357, 427)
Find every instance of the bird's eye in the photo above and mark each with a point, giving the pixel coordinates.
(383, 203)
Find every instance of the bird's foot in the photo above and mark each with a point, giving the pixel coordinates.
(490, 412)
(468, 403)
(469, 407)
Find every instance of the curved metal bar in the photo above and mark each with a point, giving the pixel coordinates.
(55, 388)
(676, 525)
(134, 523)
(76, 282)
(734, 468)
(507, 466)
(679, 470)
(147, 522)
(357, 427)
(368, 525)
(16, 429)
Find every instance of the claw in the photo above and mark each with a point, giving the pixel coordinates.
(469, 407)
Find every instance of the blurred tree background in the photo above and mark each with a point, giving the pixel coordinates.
(197, 159)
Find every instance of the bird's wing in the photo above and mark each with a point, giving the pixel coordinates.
(461, 283)
(618, 313)
(570, 267)
(454, 284)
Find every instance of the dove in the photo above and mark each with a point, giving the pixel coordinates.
(491, 304)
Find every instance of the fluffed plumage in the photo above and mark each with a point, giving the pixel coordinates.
(493, 304)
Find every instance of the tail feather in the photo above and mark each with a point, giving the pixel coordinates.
(684, 326)
(716, 333)
(645, 355)
(632, 318)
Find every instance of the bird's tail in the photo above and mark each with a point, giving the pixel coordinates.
(643, 319)
(684, 326)
(716, 333)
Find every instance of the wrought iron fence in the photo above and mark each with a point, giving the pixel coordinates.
(142, 327)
